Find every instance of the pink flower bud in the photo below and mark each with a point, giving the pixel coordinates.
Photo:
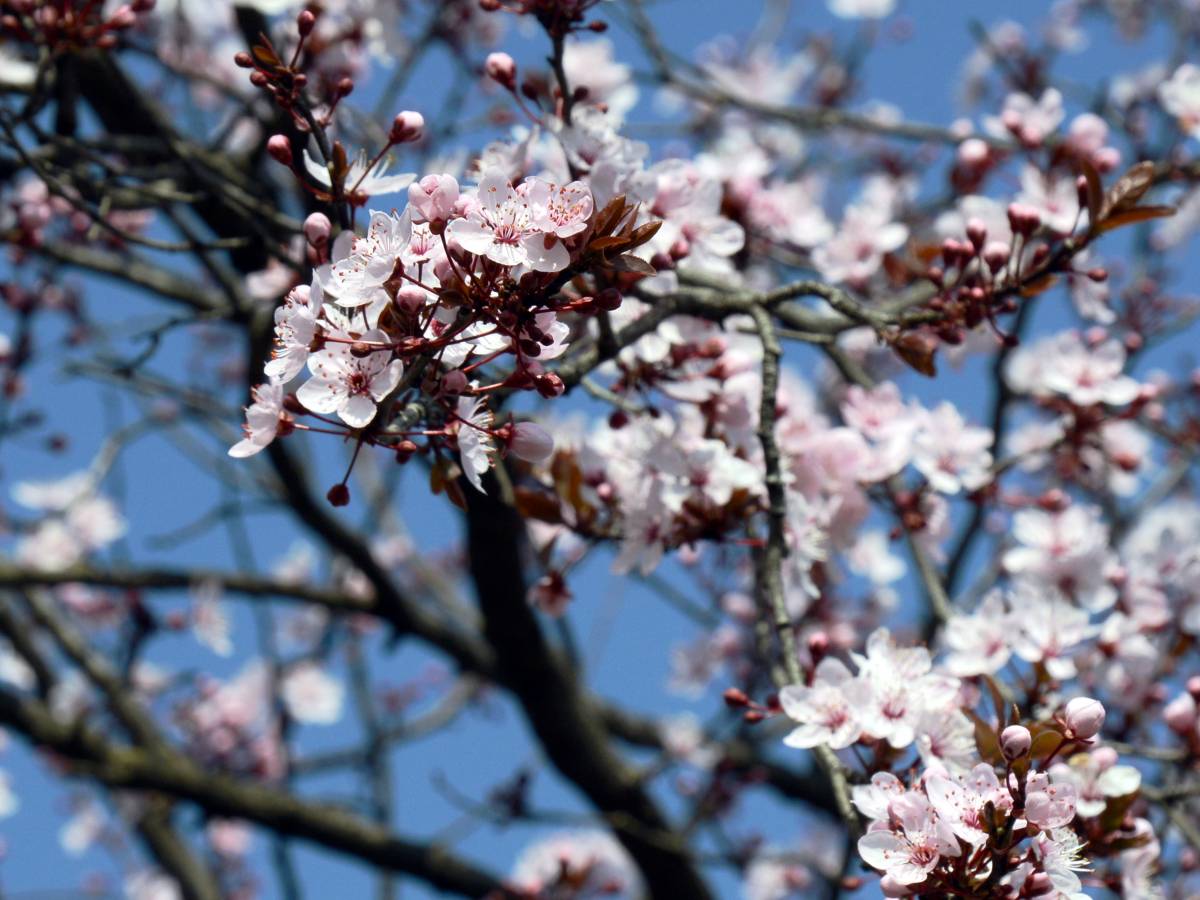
(531, 442)
(893, 888)
(280, 149)
(1106, 159)
(305, 22)
(454, 382)
(1039, 883)
(411, 298)
(1180, 714)
(1084, 716)
(976, 233)
(818, 644)
(317, 229)
(1023, 218)
(124, 17)
(1193, 686)
(501, 68)
(973, 153)
(407, 127)
(434, 196)
(1015, 741)
(550, 385)
(995, 254)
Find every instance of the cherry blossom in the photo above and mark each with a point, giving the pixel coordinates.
(311, 695)
(348, 384)
(827, 709)
(1180, 96)
(504, 228)
(910, 851)
(265, 419)
(363, 179)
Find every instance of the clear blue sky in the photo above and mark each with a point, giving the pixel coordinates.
(162, 490)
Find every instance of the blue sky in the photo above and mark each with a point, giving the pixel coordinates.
(625, 630)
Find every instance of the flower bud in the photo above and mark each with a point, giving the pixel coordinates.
(339, 495)
(973, 153)
(501, 68)
(735, 697)
(305, 22)
(995, 255)
(124, 17)
(1015, 741)
(1084, 717)
(531, 442)
(407, 127)
(976, 233)
(454, 382)
(434, 196)
(280, 149)
(317, 229)
(1039, 883)
(893, 888)
(609, 299)
(1180, 714)
(1023, 218)
(550, 385)
(818, 645)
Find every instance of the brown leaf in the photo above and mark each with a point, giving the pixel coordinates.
(634, 264)
(608, 217)
(339, 166)
(997, 700)
(1044, 743)
(1039, 285)
(1135, 215)
(1115, 809)
(1129, 188)
(644, 233)
(265, 55)
(538, 505)
(1095, 192)
(455, 493)
(918, 351)
(986, 740)
(602, 244)
(437, 478)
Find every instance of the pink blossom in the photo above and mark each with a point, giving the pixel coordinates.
(1180, 96)
(434, 197)
(348, 384)
(916, 845)
(961, 802)
(502, 228)
(827, 710)
(311, 695)
(1048, 803)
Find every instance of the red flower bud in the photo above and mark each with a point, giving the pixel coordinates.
(407, 127)
(501, 68)
(317, 229)
(280, 149)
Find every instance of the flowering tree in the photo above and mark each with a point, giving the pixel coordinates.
(884, 410)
